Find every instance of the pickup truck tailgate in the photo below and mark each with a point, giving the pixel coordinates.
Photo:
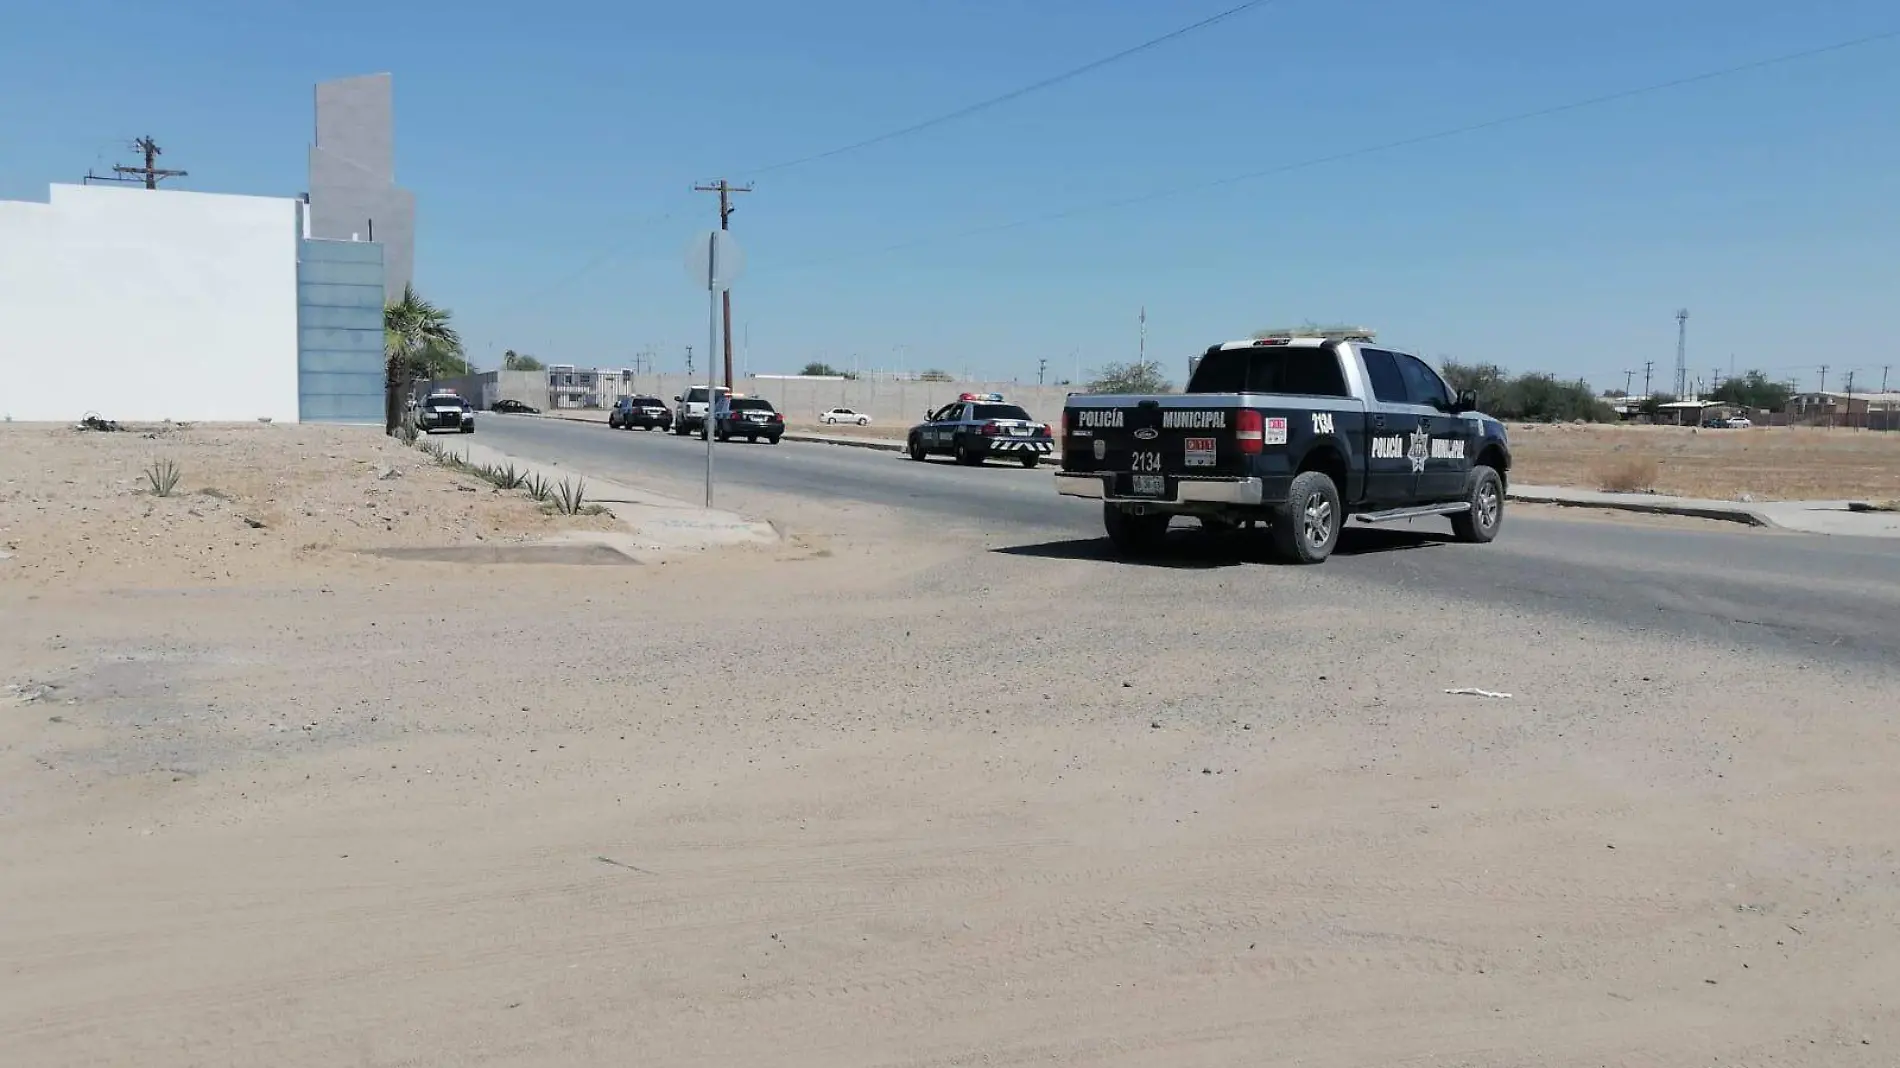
(1148, 447)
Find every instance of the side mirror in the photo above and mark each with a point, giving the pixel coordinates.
(1467, 401)
(676, 398)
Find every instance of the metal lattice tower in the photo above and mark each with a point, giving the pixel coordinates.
(1682, 352)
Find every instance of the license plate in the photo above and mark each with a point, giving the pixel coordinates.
(1148, 485)
(1019, 431)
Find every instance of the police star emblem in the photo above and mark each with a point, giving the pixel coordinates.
(1420, 444)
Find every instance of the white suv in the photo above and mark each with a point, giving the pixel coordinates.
(691, 414)
(844, 415)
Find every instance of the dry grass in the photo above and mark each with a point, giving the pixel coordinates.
(1626, 474)
(1765, 463)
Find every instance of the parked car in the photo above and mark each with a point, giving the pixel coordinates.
(646, 413)
(750, 418)
(844, 415)
(514, 407)
(691, 414)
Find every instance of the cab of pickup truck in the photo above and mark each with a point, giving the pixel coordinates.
(1295, 432)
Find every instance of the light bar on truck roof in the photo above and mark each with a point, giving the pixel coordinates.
(986, 398)
(1333, 333)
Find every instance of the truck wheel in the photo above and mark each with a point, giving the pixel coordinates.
(969, 455)
(1306, 527)
(1031, 459)
(916, 449)
(1134, 535)
(1485, 490)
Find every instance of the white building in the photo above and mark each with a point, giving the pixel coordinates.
(159, 304)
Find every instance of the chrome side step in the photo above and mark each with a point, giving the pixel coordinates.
(1391, 514)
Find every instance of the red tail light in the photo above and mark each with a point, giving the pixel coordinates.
(1250, 431)
(991, 430)
(1068, 422)
(1043, 429)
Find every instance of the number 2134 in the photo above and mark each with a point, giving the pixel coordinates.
(1147, 461)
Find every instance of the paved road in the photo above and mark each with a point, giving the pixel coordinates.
(1833, 597)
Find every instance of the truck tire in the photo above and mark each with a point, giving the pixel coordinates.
(1485, 490)
(1306, 527)
(1134, 535)
(969, 455)
(1031, 459)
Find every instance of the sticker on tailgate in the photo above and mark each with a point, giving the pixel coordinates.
(1200, 452)
(1275, 430)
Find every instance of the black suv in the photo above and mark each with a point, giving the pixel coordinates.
(647, 413)
(750, 418)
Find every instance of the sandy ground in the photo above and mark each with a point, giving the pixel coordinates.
(868, 808)
(251, 504)
(1765, 463)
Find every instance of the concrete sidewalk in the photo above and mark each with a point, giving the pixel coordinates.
(1807, 517)
(657, 526)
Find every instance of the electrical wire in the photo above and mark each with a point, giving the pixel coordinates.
(619, 246)
(1367, 150)
(1014, 94)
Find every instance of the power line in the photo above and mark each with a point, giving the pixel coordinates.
(150, 174)
(1015, 94)
(916, 127)
(1384, 146)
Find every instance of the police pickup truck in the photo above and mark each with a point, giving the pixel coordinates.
(1296, 432)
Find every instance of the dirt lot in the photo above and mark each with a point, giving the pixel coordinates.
(251, 503)
(1767, 463)
(281, 806)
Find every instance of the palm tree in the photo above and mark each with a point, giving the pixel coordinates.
(418, 343)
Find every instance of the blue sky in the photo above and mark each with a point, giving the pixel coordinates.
(552, 148)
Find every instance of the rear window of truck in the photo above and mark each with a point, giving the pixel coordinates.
(1301, 372)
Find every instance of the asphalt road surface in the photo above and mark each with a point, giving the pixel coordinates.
(1835, 598)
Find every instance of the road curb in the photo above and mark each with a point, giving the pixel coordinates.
(1720, 512)
(879, 444)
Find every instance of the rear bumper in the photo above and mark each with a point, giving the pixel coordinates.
(1000, 446)
(1235, 491)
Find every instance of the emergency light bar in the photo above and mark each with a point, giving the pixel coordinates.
(986, 398)
(1333, 333)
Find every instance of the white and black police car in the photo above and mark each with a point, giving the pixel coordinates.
(977, 427)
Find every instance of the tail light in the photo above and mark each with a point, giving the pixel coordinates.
(990, 430)
(1068, 422)
(1250, 431)
(1043, 429)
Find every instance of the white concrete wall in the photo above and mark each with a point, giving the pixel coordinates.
(147, 305)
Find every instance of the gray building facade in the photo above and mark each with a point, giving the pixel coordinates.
(353, 192)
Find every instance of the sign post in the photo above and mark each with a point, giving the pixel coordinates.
(713, 260)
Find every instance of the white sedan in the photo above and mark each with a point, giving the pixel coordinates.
(844, 415)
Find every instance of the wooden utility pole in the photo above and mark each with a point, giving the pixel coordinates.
(725, 190)
(150, 174)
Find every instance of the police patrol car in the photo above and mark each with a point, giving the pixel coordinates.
(978, 426)
(1296, 432)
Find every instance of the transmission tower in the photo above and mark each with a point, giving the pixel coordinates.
(1682, 352)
